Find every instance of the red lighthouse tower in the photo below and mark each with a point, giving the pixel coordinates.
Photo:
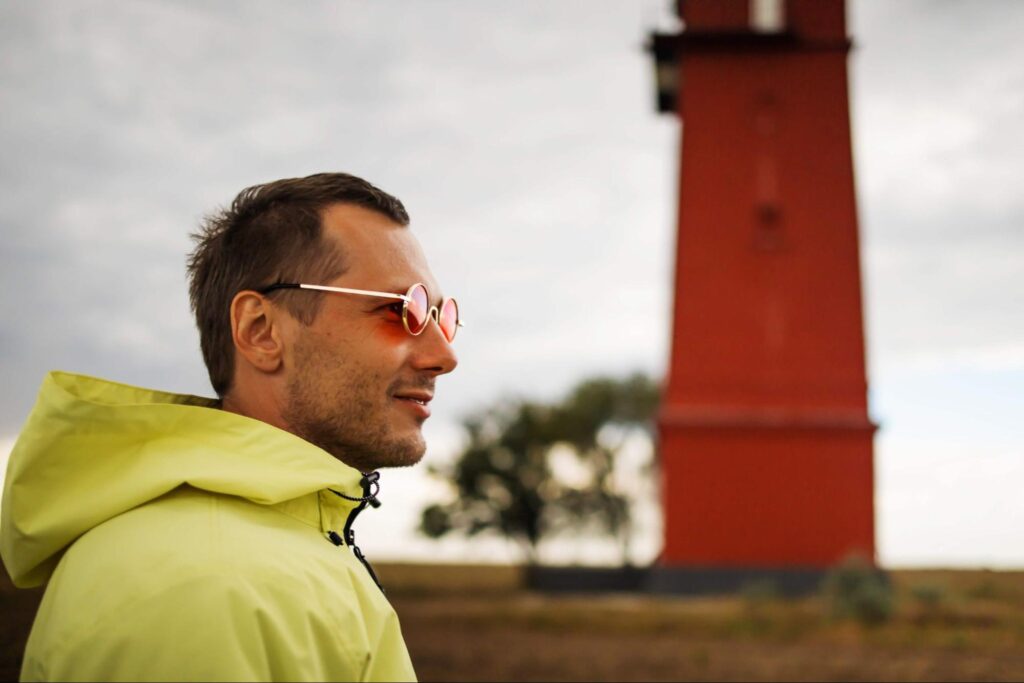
(766, 441)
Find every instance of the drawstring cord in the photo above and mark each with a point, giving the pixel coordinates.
(371, 487)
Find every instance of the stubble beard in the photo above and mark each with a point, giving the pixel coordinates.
(344, 409)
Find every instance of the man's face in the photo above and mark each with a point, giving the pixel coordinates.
(359, 385)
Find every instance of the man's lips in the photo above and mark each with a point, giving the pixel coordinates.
(423, 397)
(417, 400)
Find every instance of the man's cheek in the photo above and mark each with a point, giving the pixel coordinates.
(390, 333)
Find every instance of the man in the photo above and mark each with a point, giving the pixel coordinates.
(196, 539)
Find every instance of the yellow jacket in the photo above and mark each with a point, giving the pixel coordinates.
(183, 542)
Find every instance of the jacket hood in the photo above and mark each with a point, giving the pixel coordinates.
(93, 449)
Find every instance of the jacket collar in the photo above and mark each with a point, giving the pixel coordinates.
(321, 510)
(94, 449)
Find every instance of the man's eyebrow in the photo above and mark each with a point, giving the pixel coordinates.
(396, 290)
(436, 296)
(400, 288)
(375, 301)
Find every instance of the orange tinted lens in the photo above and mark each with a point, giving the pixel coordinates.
(416, 310)
(449, 318)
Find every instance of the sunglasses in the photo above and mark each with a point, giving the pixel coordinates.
(416, 308)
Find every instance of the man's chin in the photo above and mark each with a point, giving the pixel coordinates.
(396, 453)
(407, 462)
(409, 454)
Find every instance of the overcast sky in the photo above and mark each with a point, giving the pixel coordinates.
(522, 138)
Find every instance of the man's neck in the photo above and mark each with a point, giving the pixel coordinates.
(256, 406)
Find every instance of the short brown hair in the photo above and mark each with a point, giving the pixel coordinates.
(270, 233)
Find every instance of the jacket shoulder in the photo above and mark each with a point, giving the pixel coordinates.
(195, 535)
(207, 627)
(204, 575)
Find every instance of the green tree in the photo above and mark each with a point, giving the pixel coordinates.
(503, 481)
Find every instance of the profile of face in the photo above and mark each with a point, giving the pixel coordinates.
(357, 384)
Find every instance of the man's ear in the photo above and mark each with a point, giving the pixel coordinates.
(256, 331)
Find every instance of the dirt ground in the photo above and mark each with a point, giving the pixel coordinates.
(479, 623)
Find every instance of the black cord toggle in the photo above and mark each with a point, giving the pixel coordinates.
(371, 487)
(368, 482)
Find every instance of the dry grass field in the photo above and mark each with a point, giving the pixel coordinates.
(479, 623)
(947, 625)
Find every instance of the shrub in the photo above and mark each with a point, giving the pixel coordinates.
(856, 590)
(759, 591)
(928, 596)
(986, 590)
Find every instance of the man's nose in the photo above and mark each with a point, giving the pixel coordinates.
(435, 352)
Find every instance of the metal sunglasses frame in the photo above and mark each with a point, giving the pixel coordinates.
(432, 312)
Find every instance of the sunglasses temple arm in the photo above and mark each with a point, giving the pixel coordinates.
(363, 292)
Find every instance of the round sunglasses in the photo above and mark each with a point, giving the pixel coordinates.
(416, 308)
